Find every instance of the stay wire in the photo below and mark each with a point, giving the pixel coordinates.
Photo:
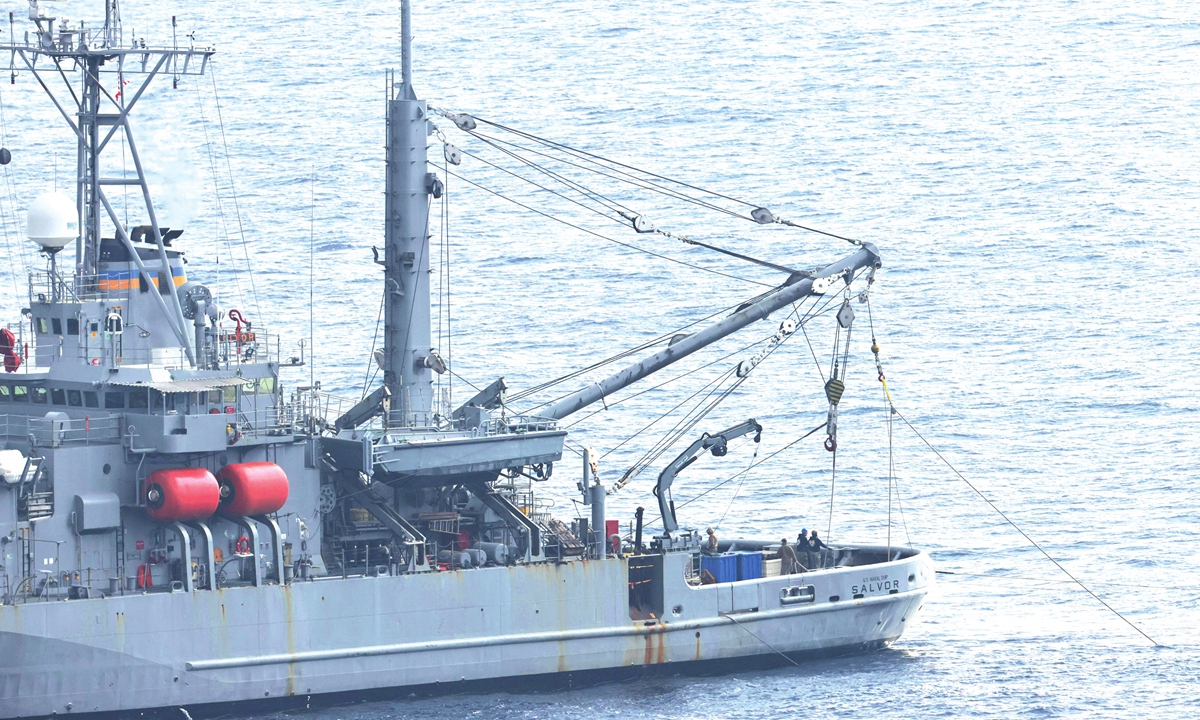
(629, 179)
(592, 158)
(611, 205)
(223, 224)
(233, 191)
(605, 237)
(1025, 535)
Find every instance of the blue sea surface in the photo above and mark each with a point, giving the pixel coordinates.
(1029, 171)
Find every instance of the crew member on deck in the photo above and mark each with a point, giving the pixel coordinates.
(710, 547)
(817, 545)
(804, 549)
(787, 558)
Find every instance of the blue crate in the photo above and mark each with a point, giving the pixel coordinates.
(749, 565)
(723, 567)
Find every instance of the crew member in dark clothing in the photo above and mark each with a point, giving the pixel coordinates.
(787, 559)
(817, 544)
(803, 549)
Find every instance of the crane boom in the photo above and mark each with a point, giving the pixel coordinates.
(718, 444)
(866, 256)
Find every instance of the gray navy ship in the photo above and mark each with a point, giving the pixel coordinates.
(178, 528)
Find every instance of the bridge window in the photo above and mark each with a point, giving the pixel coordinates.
(5, 393)
(20, 393)
(72, 326)
(57, 325)
(114, 400)
(74, 398)
(58, 396)
(90, 400)
(40, 395)
(42, 326)
(138, 400)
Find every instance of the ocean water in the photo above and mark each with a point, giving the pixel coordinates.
(1029, 172)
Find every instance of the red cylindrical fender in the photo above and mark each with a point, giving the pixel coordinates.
(253, 488)
(181, 494)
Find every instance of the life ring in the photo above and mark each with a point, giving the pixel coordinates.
(242, 546)
(144, 578)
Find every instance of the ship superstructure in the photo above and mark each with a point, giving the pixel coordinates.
(178, 527)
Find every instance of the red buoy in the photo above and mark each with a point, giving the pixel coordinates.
(253, 488)
(181, 494)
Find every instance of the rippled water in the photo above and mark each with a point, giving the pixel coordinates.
(1028, 170)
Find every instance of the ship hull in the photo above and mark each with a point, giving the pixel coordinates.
(505, 626)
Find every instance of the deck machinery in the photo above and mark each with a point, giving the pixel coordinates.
(180, 527)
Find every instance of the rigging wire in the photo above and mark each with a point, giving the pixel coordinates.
(664, 383)
(233, 191)
(605, 237)
(644, 181)
(368, 378)
(689, 421)
(569, 183)
(616, 212)
(629, 179)
(312, 240)
(10, 185)
(446, 254)
(223, 225)
(593, 158)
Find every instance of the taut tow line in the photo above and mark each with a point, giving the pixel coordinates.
(1031, 541)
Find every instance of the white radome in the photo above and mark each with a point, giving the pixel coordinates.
(52, 220)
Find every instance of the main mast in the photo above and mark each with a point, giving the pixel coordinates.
(409, 359)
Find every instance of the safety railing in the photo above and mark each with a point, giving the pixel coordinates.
(48, 432)
(46, 286)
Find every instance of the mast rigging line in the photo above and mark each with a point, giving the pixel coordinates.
(1025, 535)
(233, 190)
(605, 237)
(617, 212)
(598, 160)
(630, 179)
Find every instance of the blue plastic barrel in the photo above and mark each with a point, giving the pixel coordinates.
(749, 565)
(723, 567)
